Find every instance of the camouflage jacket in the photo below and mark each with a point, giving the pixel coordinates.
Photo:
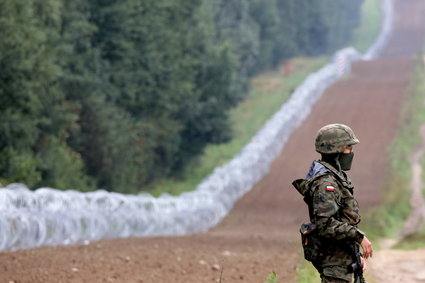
(333, 208)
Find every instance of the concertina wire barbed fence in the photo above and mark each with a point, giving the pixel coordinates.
(48, 216)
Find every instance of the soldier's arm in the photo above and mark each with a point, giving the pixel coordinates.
(325, 208)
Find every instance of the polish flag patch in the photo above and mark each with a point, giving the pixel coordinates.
(330, 188)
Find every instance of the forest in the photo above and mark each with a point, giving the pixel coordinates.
(118, 94)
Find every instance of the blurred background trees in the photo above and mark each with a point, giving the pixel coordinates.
(117, 94)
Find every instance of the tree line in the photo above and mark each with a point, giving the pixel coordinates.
(117, 94)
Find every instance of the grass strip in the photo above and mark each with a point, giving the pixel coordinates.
(417, 119)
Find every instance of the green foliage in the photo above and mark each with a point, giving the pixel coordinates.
(307, 273)
(370, 24)
(412, 242)
(21, 167)
(33, 108)
(272, 278)
(63, 176)
(119, 94)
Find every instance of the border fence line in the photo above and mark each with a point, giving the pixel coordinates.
(48, 216)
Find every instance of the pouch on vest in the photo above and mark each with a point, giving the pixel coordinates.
(311, 242)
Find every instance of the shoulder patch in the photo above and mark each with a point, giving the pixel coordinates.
(330, 188)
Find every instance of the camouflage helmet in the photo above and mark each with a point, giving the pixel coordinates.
(334, 138)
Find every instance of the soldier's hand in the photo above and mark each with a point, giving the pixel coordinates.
(364, 266)
(367, 248)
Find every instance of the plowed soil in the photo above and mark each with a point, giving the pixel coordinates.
(260, 235)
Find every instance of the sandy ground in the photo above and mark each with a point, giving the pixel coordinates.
(396, 266)
(260, 235)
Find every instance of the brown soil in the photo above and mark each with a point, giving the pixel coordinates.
(261, 233)
(393, 266)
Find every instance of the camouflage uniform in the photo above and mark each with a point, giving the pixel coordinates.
(335, 212)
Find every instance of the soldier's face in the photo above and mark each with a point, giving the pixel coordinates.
(348, 150)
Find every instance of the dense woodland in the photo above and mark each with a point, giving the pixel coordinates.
(116, 94)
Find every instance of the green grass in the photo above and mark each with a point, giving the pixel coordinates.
(272, 278)
(416, 120)
(370, 25)
(412, 242)
(268, 92)
(307, 273)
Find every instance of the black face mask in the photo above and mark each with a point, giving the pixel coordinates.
(345, 160)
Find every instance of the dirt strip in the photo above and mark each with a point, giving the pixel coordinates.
(394, 266)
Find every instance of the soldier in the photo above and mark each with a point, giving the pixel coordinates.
(331, 240)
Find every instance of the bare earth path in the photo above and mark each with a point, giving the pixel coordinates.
(261, 233)
(393, 266)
